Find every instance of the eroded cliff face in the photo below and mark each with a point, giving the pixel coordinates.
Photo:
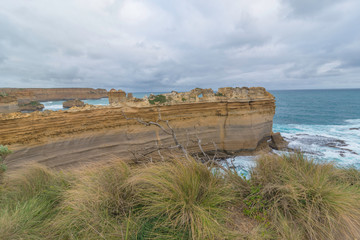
(77, 136)
(52, 94)
(8, 104)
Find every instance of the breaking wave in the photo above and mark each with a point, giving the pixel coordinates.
(338, 143)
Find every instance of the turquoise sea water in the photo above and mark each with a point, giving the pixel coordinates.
(325, 124)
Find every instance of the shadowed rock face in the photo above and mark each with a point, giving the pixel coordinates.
(278, 142)
(73, 137)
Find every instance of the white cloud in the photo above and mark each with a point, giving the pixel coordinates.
(327, 67)
(134, 12)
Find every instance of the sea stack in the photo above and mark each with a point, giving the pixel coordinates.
(73, 103)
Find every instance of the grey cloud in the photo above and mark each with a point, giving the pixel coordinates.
(161, 45)
(309, 7)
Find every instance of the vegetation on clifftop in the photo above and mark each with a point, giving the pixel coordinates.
(157, 99)
(285, 197)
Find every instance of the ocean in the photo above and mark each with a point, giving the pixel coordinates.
(324, 124)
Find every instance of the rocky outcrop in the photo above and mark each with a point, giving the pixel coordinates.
(31, 106)
(278, 142)
(116, 96)
(73, 103)
(24, 102)
(197, 95)
(94, 133)
(52, 94)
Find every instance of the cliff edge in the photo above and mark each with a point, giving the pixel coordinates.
(53, 94)
(239, 120)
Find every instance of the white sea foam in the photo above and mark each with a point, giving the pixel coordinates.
(57, 105)
(339, 143)
(54, 107)
(243, 164)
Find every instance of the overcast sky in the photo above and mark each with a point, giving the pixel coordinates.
(162, 45)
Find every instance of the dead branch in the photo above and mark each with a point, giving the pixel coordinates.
(201, 149)
(169, 131)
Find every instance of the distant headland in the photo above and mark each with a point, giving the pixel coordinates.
(28, 99)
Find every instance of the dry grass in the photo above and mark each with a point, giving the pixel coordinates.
(28, 201)
(97, 206)
(182, 198)
(308, 200)
(286, 197)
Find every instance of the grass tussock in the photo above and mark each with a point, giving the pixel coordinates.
(28, 201)
(284, 197)
(308, 200)
(182, 199)
(97, 206)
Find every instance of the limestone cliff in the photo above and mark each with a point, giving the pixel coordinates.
(64, 138)
(51, 94)
(8, 104)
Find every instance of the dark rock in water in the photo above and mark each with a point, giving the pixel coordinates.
(354, 128)
(302, 134)
(31, 106)
(278, 142)
(73, 103)
(336, 143)
(348, 150)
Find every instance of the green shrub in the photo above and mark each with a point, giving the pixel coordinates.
(219, 94)
(32, 103)
(4, 151)
(157, 99)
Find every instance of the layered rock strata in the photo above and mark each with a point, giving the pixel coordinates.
(238, 124)
(28, 98)
(52, 94)
(8, 104)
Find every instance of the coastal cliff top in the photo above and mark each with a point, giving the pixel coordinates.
(119, 99)
(197, 95)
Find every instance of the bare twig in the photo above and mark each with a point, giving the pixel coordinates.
(159, 152)
(201, 148)
(216, 151)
